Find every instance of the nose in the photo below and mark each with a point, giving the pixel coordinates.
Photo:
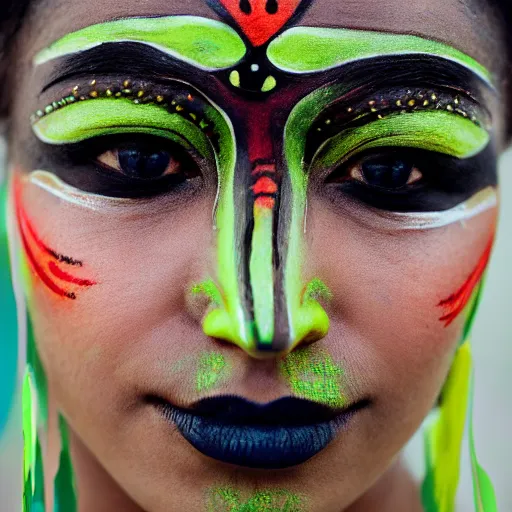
(259, 299)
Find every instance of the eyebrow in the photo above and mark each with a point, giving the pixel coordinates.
(136, 60)
(305, 49)
(206, 43)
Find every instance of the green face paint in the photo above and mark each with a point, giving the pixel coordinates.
(437, 131)
(202, 42)
(227, 499)
(94, 118)
(312, 374)
(312, 49)
(213, 369)
(316, 290)
(208, 289)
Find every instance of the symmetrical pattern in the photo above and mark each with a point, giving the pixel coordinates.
(268, 100)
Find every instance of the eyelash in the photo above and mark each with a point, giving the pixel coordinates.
(139, 92)
(184, 103)
(78, 165)
(446, 181)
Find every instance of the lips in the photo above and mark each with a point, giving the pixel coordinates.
(280, 434)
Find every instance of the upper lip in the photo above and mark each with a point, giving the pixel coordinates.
(287, 411)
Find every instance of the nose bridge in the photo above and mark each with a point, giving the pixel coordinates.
(263, 304)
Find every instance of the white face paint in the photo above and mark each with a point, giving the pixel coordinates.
(391, 221)
(55, 186)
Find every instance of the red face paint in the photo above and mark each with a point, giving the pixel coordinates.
(259, 20)
(45, 262)
(454, 304)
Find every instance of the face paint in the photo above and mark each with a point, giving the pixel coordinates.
(55, 186)
(456, 303)
(258, 298)
(272, 315)
(213, 370)
(201, 42)
(50, 266)
(227, 499)
(259, 20)
(312, 374)
(313, 49)
(389, 221)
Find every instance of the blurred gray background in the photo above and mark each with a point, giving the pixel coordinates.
(492, 346)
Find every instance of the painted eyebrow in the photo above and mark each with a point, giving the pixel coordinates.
(114, 59)
(123, 59)
(312, 49)
(202, 42)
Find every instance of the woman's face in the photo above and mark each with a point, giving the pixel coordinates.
(293, 226)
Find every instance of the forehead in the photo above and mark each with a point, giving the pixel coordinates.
(450, 21)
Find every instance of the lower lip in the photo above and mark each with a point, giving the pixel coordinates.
(255, 446)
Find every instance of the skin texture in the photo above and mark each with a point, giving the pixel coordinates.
(378, 298)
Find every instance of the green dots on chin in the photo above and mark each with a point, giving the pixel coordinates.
(227, 499)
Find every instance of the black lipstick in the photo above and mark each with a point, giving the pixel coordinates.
(280, 434)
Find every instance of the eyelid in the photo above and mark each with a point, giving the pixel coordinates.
(93, 118)
(436, 131)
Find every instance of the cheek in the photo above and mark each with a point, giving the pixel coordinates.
(138, 265)
(391, 292)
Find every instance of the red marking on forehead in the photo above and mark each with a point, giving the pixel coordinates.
(260, 19)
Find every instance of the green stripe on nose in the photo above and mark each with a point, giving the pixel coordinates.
(261, 271)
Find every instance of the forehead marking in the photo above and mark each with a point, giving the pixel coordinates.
(260, 20)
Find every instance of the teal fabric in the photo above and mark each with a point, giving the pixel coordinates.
(8, 320)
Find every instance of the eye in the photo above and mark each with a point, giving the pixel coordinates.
(148, 163)
(388, 172)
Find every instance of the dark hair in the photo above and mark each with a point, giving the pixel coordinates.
(14, 11)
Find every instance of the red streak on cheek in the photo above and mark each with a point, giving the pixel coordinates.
(456, 302)
(38, 269)
(64, 276)
(29, 237)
